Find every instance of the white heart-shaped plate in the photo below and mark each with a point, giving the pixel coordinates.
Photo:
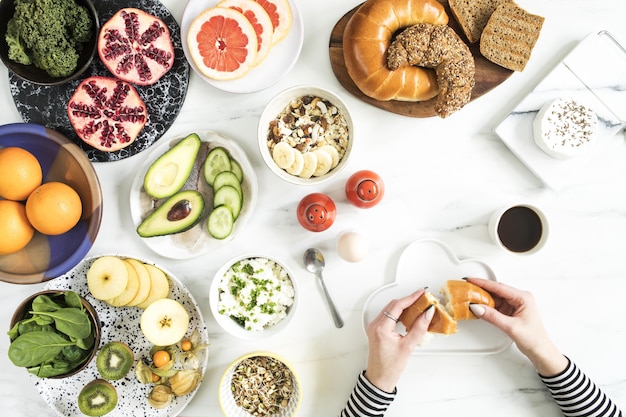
(430, 263)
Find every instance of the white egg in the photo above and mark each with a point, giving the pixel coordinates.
(352, 246)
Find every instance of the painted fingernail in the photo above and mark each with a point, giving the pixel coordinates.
(464, 278)
(477, 309)
(429, 313)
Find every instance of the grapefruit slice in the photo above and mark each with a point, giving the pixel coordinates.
(222, 43)
(280, 13)
(260, 20)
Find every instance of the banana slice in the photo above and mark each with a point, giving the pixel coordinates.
(324, 162)
(283, 155)
(332, 151)
(298, 163)
(310, 164)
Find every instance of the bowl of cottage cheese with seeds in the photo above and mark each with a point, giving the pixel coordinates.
(305, 135)
(253, 296)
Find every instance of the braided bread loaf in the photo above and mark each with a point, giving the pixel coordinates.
(437, 46)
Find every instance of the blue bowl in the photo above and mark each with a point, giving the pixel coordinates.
(47, 257)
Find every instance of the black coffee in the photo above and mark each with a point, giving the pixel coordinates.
(520, 229)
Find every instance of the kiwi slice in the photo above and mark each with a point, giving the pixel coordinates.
(97, 398)
(115, 360)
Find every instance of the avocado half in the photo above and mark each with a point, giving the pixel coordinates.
(168, 174)
(178, 213)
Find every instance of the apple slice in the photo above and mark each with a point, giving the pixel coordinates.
(132, 287)
(107, 277)
(144, 282)
(159, 286)
(164, 322)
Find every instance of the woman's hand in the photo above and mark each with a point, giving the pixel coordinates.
(517, 315)
(389, 351)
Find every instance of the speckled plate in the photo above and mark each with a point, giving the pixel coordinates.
(122, 324)
(280, 60)
(47, 105)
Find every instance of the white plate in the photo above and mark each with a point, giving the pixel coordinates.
(280, 60)
(430, 263)
(122, 324)
(594, 72)
(195, 241)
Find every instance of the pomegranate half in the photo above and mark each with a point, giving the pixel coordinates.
(107, 113)
(136, 46)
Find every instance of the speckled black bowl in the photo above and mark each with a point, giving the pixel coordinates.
(22, 310)
(34, 74)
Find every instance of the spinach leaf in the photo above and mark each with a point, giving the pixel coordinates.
(31, 326)
(14, 331)
(44, 303)
(35, 348)
(72, 300)
(86, 343)
(54, 368)
(70, 321)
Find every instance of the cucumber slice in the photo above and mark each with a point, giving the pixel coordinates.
(227, 178)
(228, 196)
(216, 161)
(236, 169)
(220, 222)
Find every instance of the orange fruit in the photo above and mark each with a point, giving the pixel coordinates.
(222, 43)
(15, 230)
(280, 14)
(20, 173)
(260, 21)
(53, 208)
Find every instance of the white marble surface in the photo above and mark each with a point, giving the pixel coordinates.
(443, 178)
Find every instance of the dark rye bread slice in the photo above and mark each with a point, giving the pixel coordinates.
(510, 36)
(473, 15)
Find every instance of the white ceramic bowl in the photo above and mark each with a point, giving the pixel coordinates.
(232, 326)
(227, 401)
(276, 106)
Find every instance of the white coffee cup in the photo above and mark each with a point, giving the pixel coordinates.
(520, 229)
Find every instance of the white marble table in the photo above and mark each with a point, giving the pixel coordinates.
(444, 178)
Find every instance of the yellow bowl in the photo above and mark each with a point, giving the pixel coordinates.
(227, 400)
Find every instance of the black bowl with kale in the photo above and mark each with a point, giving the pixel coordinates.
(54, 334)
(62, 43)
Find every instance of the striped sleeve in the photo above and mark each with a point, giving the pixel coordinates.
(367, 400)
(577, 396)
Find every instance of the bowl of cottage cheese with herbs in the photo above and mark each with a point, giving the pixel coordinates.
(253, 296)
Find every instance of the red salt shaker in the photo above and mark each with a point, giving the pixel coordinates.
(316, 212)
(365, 189)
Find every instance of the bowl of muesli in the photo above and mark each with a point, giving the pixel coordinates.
(260, 383)
(305, 135)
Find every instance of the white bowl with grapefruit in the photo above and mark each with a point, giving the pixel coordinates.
(242, 46)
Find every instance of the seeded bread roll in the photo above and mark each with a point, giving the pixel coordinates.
(510, 36)
(473, 15)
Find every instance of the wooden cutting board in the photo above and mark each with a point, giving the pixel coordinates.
(488, 74)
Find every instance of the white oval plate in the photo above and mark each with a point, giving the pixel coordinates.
(122, 324)
(430, 263)
(195, 241)
(280, 60)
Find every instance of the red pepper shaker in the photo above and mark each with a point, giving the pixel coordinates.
(316, 212)
(365, 188)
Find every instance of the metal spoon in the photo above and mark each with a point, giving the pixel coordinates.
(314, 262)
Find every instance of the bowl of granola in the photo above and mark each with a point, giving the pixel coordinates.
(260, 384)
(305, 135)
(253, 296)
